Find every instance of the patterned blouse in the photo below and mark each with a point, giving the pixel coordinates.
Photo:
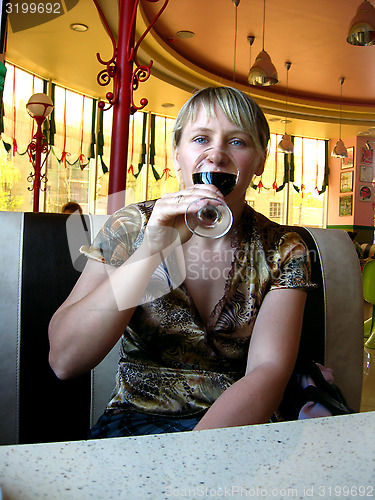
(172, 363)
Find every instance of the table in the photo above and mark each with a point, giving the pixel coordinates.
(330, 457)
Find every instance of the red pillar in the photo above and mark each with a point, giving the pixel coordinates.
(121, 108)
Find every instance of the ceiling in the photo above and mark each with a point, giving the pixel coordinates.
(311, 35)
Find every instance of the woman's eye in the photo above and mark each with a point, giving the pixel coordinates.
(200, 140)
(237, 142)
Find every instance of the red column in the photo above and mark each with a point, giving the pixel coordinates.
(121, 108)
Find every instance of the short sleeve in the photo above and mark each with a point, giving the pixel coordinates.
(290, 263)
(119, 237)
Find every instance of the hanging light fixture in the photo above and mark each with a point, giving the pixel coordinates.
(250, 40)
(263, 72)
(286, 144)
(339, 151)
(362, 26)
(236, 4)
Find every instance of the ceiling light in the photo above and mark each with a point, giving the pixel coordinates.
(286, 144)
(185, 34)
(339, 151)
(263, 72)
(362, 26)
(79, 27)
(236, 4)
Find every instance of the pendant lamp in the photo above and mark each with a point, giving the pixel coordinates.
(236, 4)
(339, 151)
(362, 26)
(263, 72)
(286, 144)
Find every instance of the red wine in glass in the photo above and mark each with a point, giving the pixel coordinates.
(209, 217)
(225, 182)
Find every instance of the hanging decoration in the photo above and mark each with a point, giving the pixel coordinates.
(52, 122)
(65, 154)
(326, 169)
(100, 148)
(274, 185)
(14, 141)
(166, 170)
(317, 168)
(152, 147)
(142, 156)
(93, 130)
(131, 168)
(302, 172)
(50, 131)
(3, 72)
(82, 157)
(286, 178)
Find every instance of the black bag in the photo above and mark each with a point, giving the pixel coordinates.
(320, 392)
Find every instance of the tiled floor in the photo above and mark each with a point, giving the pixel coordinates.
(368, 387)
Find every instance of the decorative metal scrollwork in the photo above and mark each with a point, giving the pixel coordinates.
(41, 179)
(140, 74)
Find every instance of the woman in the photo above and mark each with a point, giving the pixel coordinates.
(218, 349)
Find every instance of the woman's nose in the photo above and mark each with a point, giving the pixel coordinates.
(217, 156)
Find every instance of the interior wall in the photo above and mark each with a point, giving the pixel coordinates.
(352, 185)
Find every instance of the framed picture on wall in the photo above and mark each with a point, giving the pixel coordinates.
(346, 182)
(346, 205)
(366, 173)
(367, 155)
(349, 161)
(365, 193)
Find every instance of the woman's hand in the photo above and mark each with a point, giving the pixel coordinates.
(167, 226)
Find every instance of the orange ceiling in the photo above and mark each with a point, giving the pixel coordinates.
(312, 35)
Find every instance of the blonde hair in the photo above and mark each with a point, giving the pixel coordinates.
(239, 108)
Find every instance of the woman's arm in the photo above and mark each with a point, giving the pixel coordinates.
(272, 355)
(90, 322)
(92, 319)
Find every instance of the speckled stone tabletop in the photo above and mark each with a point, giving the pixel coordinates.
(323, 458)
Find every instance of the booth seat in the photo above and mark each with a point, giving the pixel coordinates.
(41, 263)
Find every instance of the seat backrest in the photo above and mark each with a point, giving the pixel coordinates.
(368, 281)
(42, 263)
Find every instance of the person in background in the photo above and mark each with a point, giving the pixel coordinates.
(70, 207)
(217, 348)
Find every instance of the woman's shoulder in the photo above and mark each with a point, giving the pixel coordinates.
(270, 232)
(121, 234)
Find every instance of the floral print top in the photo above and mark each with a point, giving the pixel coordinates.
(172, 363)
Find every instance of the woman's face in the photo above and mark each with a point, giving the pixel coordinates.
(218, 132)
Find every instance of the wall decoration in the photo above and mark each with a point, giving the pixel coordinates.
(346, 205)
(365, 193)
(346, 182)
(366, 173)
(367, 156)
(349, 161)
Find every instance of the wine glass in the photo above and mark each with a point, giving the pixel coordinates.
(209, 217)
